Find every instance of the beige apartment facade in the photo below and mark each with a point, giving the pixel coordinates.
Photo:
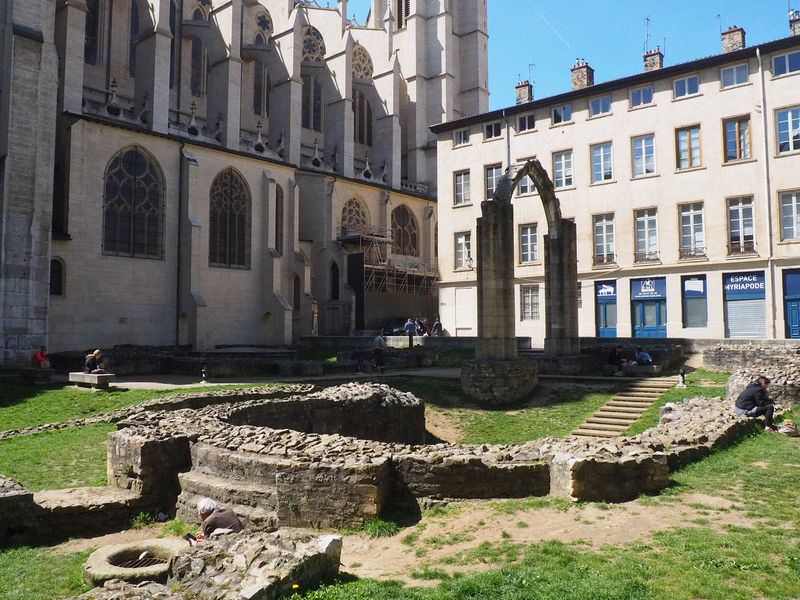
(212, 173)
(683, 182)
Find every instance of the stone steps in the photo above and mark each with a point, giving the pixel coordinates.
(624, 409)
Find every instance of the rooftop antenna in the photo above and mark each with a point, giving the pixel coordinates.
(719, 20)
(646, 35)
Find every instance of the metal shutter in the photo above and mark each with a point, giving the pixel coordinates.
(746, 319)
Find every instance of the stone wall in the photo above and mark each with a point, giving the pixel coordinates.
(784, 377)
(498, 382)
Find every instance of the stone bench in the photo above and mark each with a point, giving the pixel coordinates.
(641, 370)
(36, 375)
(95, 381)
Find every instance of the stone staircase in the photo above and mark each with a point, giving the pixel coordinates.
(625, 408)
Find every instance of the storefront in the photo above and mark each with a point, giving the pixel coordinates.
(791, 302)
(745, 305)
(649, 307)
(605, 293)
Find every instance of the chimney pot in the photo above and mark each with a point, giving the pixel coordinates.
(653, 60)
(733, 39)
(582, 74)
(524, 92)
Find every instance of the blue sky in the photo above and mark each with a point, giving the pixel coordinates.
(609, 35)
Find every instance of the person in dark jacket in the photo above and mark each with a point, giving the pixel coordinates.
(216, 520)
(94, 363)
(754, 401)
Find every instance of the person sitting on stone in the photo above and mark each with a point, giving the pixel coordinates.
(754, 401)
(643, 357)
(216, 520)
(40, 359)
(94, 363)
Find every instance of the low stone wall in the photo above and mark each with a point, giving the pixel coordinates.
(17, 513)
(498, 382)
(783, 373)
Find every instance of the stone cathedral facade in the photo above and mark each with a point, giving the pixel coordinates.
(209, 172)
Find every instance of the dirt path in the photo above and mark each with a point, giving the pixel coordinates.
(470, 524)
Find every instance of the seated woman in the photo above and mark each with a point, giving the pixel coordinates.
(216, 520)
(40, 360)
(94, 363)
(642, 357)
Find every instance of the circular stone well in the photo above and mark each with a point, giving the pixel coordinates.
(127, 563)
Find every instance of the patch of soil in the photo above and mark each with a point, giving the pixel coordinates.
(477, 522)
(443, 426)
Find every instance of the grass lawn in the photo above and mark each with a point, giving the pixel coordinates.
(39, 574)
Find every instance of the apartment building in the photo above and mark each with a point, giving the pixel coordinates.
(683, 182)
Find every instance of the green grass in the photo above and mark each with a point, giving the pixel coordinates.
(693, 388)
(142, 520)
(179, 528)
(65, 458)
(39, 574)
(378, 528)
(321, 354)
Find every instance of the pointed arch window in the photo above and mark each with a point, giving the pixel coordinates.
(313, 45)
(312, 103)
(133, 206)
(261, 82)
(229, 222)
(279, 219)
(57, 279)
(173, 44)
(354, 217)
(362, 112)
(297, 293)
(405, 233)
(334, 281)
(198, 70)
(133, 38)
(91, 42)
(362, 63)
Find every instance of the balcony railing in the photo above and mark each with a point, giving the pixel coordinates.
(646, 256)
(604, 259)
(746, 247)
(693, 252)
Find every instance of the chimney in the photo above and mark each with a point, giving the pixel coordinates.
(732, 39)
(794, 22)
(582, 74)
(524, 92)
(653, 60)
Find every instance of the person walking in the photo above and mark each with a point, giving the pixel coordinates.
(378, 349)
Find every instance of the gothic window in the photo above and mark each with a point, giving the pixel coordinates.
(279, 219)
(297, 293)
(198, 72)
(403, 8)
(173, 44)
(313, 45)
(404, 232)
(229, 222)
(362, 63)
(334, 281)
(91, 42)
(312, 103)
(264, 22)
(133, 38)
(57, 280)
(260, 82)
(354, 217)
(133, 206)
(362, 111)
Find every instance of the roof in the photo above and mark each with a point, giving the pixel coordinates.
(624, 82)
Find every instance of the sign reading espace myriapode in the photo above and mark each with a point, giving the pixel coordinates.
(744, 286)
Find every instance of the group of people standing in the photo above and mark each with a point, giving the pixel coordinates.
(421, 327)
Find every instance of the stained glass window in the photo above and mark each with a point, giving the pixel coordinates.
(404, 232)
(362, 63)
(354, 217)
(229, 222)
(313, 45)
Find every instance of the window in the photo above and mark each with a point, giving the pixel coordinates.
(198, 65)
(599, 106)
(492, 130)
(692, 235)
(279, 220)
(402, 10)
(603, 239)
(687, 147)
(334, 282)
(562, 114)
(641, 96)
(562, 169)
(525, 123)
(463, 253)
(788, 129)
(354, 217)
(790, 215)
(56, 277)
(460, 137)
(528, 243)
(404, 232)
(786, 63)
(602, 169)
(133, 206)
(525, 184)
(736, 75)
(741, 234)
(173, 43)
(643, 154)
(695, 305)
(687, 86)
(229, 222)
(312, 103)
(737, 138)
(362, 113)
(461, 187)
(493, 174)
(313, 45)
(91, 40)
(646, 235)
(133, 38)
(261, 85)
(529, 302)
(362, 63)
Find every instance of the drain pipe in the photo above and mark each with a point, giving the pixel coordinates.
(767, 197)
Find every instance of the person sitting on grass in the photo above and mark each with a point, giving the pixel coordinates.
(754, 401)
(216, 520)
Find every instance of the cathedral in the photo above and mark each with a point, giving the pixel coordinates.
(212, 173)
